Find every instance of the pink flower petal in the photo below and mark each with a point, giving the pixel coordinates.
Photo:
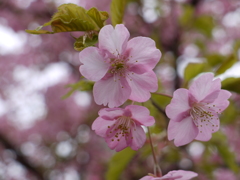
(122, 144)
(143, 54)
(114, 142)
(207, 127)
(113, 40)
(100, 126)
(221, 102)
(179, 106)
(211, 97)
(173, 175)
(183, 132)
(139, 137)
(147, 178)
(110, 113)
(204, 85)
(107, 91)
(141, 114)
(178, 175)
(141, 85)
(94, 68)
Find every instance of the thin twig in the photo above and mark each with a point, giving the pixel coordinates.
(157, 169)
(159, 108)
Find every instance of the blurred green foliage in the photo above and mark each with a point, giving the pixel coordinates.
(118, 163)
(117, 11)
(230, 114)
(192, 70)
(227, 63)
(215, 59)
(220, 141)
(81, 85)
(190, 21)
(231, 84)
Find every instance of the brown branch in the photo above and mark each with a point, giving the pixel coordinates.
(195, 3)
(159, 108)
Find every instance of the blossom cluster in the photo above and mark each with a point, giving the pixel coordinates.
(123, 69)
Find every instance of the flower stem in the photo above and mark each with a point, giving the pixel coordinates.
(161, 94)
(157, 169)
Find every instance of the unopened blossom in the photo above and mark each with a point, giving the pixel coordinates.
(173, 175)
(194, 113)
(122, 69)
(122, 127)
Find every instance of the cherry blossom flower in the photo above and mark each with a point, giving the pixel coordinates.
(173, 175)
(122, 127)
(122, 69)
(194, 113)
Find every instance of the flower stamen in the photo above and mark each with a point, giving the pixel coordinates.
(199, 113)
(122, 127)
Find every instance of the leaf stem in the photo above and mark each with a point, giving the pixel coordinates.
(157, 169)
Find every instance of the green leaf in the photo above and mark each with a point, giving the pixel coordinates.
(200, 44)
(117, 11)
(161, 100)
(39, 31)
(229, 115)
(80, 43)
(236, 46)
(192, 70)
(71, 17)
(118, 163)
(231, 84)
(229, 62)
(220, 140)
(98, 16)
(204, 24)
(228, 157)
(81, 85)
(187, 16)
(215, 59)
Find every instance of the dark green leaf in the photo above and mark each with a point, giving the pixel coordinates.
(204, 24)
(231, 84)
(71, 17)
(229, 62)
(118, 163)
(215, 59)
(187, 16)
(117, 11)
